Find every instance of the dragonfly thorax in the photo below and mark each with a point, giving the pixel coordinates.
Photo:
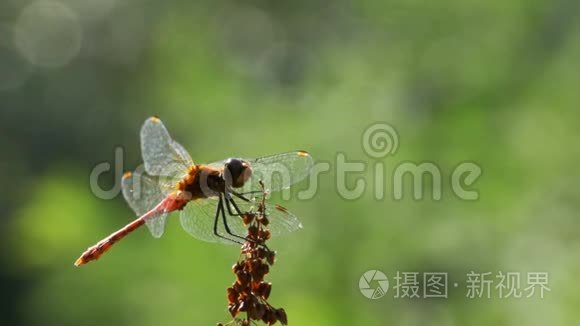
(202, 181)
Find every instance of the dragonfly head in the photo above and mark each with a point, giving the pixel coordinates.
(237, 172)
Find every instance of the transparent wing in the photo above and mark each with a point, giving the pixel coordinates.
(161, 154)
(197, 218)
(282, 221)
(278, 171)
(143, 192)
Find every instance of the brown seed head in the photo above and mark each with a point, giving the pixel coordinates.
(249, 293)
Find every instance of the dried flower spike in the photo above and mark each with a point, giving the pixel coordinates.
(249, 293)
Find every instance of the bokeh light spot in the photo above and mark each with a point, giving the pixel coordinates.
(48, 34)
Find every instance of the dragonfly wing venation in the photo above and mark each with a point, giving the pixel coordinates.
(198, 216)
(161, 154)
(197, 219)
(144, 192)
(279, 172)
(156, 225)
(281, 220)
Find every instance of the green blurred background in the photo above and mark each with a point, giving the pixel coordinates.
(493, 82)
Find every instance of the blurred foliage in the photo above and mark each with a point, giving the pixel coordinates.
(490, 82)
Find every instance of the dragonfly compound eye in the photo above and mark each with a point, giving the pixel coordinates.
(238, 172)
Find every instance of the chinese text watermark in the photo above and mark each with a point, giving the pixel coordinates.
(374, 284)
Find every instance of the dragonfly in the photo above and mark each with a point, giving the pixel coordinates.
(212, 198)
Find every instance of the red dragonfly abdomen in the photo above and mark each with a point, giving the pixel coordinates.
(171, 203)
(94, 252)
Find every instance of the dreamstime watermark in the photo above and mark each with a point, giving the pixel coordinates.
(374, 284)
(379, 141)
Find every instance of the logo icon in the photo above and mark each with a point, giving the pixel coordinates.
(373, 284)
(380, 140)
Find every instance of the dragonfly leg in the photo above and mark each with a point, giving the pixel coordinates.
(236, 208)
(238, 213)
(242, 195)
(224, 219)
(219, 210)
(228, 201)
